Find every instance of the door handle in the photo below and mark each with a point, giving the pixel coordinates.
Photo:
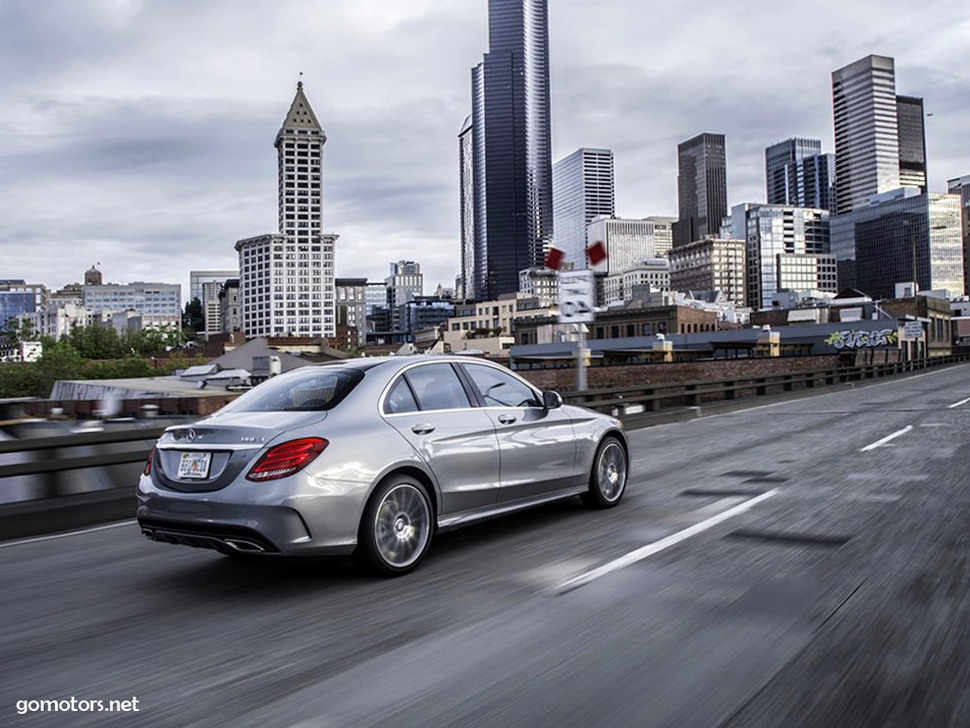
(506, 419)
(422, 429)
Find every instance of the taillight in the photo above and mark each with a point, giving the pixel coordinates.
(148, 463)
(287, 458)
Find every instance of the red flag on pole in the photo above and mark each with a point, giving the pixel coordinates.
(554, 258)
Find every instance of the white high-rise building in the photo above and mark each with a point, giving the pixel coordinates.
(630, 242)
(582, 189)
(866, 131)
(286, 280)
(663, 234)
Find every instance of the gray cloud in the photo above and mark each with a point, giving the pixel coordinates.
(139, 134)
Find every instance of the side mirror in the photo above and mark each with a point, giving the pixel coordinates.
(551, 400)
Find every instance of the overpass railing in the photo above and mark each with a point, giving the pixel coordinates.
(111, 460)
(629, 401)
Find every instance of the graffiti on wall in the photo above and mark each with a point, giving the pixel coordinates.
(863, 339)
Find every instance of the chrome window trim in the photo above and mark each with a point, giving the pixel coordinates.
(524, 381)
(400, 373)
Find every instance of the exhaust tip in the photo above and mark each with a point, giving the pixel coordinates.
(148, 533)
(246, 547)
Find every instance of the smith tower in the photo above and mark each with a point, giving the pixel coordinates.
(286, 280)
(511, 146)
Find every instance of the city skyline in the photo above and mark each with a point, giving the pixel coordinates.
(148, 124)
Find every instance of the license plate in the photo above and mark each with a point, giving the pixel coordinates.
(195, 465)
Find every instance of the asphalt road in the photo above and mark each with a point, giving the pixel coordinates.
(841, 597)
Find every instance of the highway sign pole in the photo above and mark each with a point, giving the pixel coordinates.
(577, 291)
(581, 359)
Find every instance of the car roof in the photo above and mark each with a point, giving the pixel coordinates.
(399, 362)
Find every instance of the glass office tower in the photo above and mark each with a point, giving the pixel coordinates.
(960, 186)
(797, 173)
(866, 131)
(511, 146)
(701, 188)
(912, 142)
(466, 192)
(901, 237)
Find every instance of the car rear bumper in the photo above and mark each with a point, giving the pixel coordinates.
(308, 525)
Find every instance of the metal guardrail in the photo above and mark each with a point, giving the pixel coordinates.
(625, 401)
(53, 447)
(621, 401)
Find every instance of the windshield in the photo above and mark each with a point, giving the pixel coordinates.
(301, 391)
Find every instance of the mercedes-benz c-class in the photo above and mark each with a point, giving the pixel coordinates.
(373, 457)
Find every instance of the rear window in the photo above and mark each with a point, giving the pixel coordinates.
(302, 392)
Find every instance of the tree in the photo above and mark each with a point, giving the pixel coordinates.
(194, 318)
(18, 330)
(96, 342)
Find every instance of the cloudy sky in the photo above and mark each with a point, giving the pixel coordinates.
(139, 133)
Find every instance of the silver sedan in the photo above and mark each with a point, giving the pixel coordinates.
(373, 457)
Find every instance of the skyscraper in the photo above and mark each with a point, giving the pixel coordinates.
(798, 174)
(511, 147)
(701, 188)
(286, 280)
(912, 142)
(786, 248)
(405, 283)
(582, 188)
(466, 194)
(781, 178)
(902, 236)
(961, 186)
(866, 131)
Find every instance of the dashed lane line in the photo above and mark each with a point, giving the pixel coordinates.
(887, 438)
(657, 546)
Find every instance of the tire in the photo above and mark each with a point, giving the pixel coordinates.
(396, 528)
(608, 476)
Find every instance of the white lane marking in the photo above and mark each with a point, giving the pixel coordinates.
(957, 404)
(66, 534)
(665, 543)
(862, 385)
(887, 438)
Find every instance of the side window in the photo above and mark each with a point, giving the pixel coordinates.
(500, 389)
(437, 387)
(400, 399)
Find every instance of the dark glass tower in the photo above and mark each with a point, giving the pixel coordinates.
(701, 188)
(797, 173)
(512, 154)
(781, 168)
(912, 142)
